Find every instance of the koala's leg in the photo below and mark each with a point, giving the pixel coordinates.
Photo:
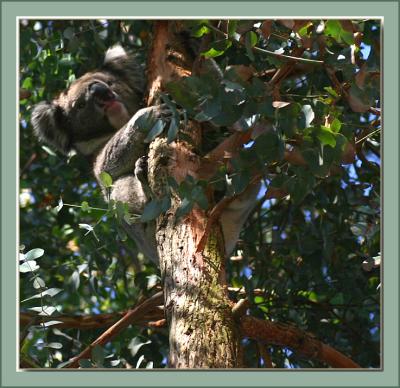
(235, 215)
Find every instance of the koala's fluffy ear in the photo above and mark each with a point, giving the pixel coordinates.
(47, 121)
(115, 53)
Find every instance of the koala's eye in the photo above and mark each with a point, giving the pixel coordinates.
(110, 83)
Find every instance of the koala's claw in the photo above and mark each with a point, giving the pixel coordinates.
(141, 169)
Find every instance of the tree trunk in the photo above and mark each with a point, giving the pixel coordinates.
(202, 330)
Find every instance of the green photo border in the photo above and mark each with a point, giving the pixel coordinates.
(10, 377)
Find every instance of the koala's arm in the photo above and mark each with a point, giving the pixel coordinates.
(235, 215)
(119, 155)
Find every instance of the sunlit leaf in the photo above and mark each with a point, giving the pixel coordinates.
(135, 345)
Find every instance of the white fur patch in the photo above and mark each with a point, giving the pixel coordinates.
(114, 52)
(90, 146)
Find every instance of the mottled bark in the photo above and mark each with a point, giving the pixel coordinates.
(202, 331)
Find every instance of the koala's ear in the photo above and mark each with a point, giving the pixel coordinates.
(48, 125)
(114, 53)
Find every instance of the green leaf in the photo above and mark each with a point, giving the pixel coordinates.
(165, 203)
(106, 179)
(151, 211)
(34, 254)
(155, 131)
(331, 91)
(308, 115)
(44, 310)
(337, 299)
(87, 227)
(50, 292)
(28, 266)
(139, 361)
(135, 345)
(85, 206)
(185, 207)
(49, 150)
(250, 41)
(213, 53)
(232, 25)
(68, 33)
(251, 38)
(27, 83)
(334, 29)
(85, 363)
(75, 280)
(336, 125)
(145, 121)
(300, 185)
(38, 283)
(269, 147)
(240, 181)
(98, 355)
(55, 345)
(122, 234)
(149, 365)
(200, 197)
(60, 205)
(50, 323)
(172, 183)
(172, 130)
(326, 137)
(200, 31)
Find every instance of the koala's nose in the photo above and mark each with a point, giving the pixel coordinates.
(101, 91)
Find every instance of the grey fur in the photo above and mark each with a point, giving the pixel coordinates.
(78, 119)
(113, 139)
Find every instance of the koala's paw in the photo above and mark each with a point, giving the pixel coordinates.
(141, 169)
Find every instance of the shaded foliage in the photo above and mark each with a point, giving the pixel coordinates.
(306, 255)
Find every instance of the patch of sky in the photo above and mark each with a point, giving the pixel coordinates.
(367, 191)
(374, 330)
(371, 157)
(307, 215)
(371, 316)
(351, 172)
(263, 190)
(365, 50)
(268, 203)
(324, 270)
(247, 272)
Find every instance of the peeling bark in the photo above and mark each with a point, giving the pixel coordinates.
(202, 332)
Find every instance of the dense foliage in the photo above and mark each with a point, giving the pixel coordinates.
(310, 253)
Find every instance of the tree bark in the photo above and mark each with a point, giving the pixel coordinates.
(202, 332)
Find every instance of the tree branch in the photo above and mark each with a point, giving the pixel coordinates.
(115, 329)
(89, 322)
(299, 341)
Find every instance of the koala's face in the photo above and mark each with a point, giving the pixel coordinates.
(96, 105)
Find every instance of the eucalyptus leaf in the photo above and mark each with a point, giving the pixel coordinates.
(156, 130)
(135, 345)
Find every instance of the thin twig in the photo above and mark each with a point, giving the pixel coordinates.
(267, 52)
(115, 329)
(367, 136)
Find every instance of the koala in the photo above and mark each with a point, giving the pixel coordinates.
(98, 116)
